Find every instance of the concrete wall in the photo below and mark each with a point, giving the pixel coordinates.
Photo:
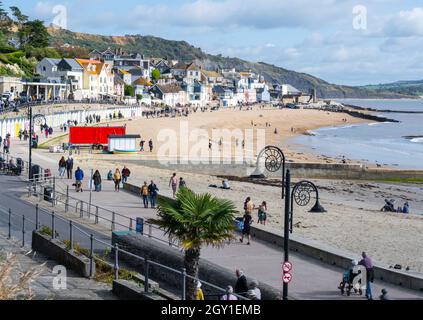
(335, 257)
(126, 290)
(57, 251)
(173, 258)
(298, 170)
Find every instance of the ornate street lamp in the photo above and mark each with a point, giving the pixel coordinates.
(274, 160)
(301, 194)
(37, 119)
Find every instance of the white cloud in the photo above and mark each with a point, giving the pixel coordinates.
(405, 24)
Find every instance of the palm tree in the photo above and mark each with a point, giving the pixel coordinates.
(195, 220)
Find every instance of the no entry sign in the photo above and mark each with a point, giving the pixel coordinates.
(287, 266)
(287, 277)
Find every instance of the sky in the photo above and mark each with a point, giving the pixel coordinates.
(347, 42)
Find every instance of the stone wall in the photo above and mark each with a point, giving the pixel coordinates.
(173, 258)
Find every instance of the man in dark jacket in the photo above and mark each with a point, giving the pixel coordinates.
(125, 174)
(153, 190)
(69, 167)
(241, 286)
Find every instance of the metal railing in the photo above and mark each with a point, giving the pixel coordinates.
(93, 212)
(22, 105)
(115, 250)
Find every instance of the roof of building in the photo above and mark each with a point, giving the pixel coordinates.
(87, 62)
(192, 66)
(136, 71)
(73, 64)
(169, 88)
(53, 61)
(142, 82)
(180, 66)
(211, 74)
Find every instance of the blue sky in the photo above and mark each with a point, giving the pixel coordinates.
(342, 41)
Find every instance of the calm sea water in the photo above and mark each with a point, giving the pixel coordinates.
(382, 143)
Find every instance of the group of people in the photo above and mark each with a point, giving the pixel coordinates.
(119, 177)
(176, 183)
(6, 143)
(48, 131)
(367, 263)
(150, 145)
(242, 288)
(247, 219)
(66, 166)
(92, 119)
(23, 134)
(390, 207)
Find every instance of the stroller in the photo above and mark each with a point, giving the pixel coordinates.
(389, 206)
(347, 283)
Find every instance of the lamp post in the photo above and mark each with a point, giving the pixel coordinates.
(38, 119)
(274, 160)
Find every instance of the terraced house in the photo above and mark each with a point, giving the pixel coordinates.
(98, 80)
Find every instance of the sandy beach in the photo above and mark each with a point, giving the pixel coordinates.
(287, 123)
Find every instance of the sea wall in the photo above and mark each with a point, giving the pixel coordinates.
(174, 258)
(298, 170)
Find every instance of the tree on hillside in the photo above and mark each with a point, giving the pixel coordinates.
(156, 74)
(129, 91)
(5, 21)
(20, 20)
(35, 34)
(196, 220)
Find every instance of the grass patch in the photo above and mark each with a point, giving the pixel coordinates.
(401, 180)
(55, 141)
(104, 272)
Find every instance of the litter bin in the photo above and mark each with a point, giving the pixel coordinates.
(34, 144)
(140, 225)
(20, 163)
(35, 172)
(48, 194)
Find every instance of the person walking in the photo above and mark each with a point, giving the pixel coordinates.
(199, 295)
(62, 167)
(247, 220)
(262, 213)
(79, 177)
(229, 294)
(117, 177)
(150, 144)
(97, 181)
(182, 183)
(368, 264)
(144, 194)
(254, 287)
(125, 174)
(241, 286)
(69, 167)
(153, 191)
(142, 143)
(173, 182)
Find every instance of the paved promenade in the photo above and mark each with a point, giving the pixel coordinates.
(77, 288)
(311, 278)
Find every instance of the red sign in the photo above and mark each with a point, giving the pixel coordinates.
(287, 266)
(287, 277)
(94, 135)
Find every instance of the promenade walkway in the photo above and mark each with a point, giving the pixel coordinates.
(77, 288)
(312, 279)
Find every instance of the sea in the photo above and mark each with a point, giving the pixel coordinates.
(398, 145)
